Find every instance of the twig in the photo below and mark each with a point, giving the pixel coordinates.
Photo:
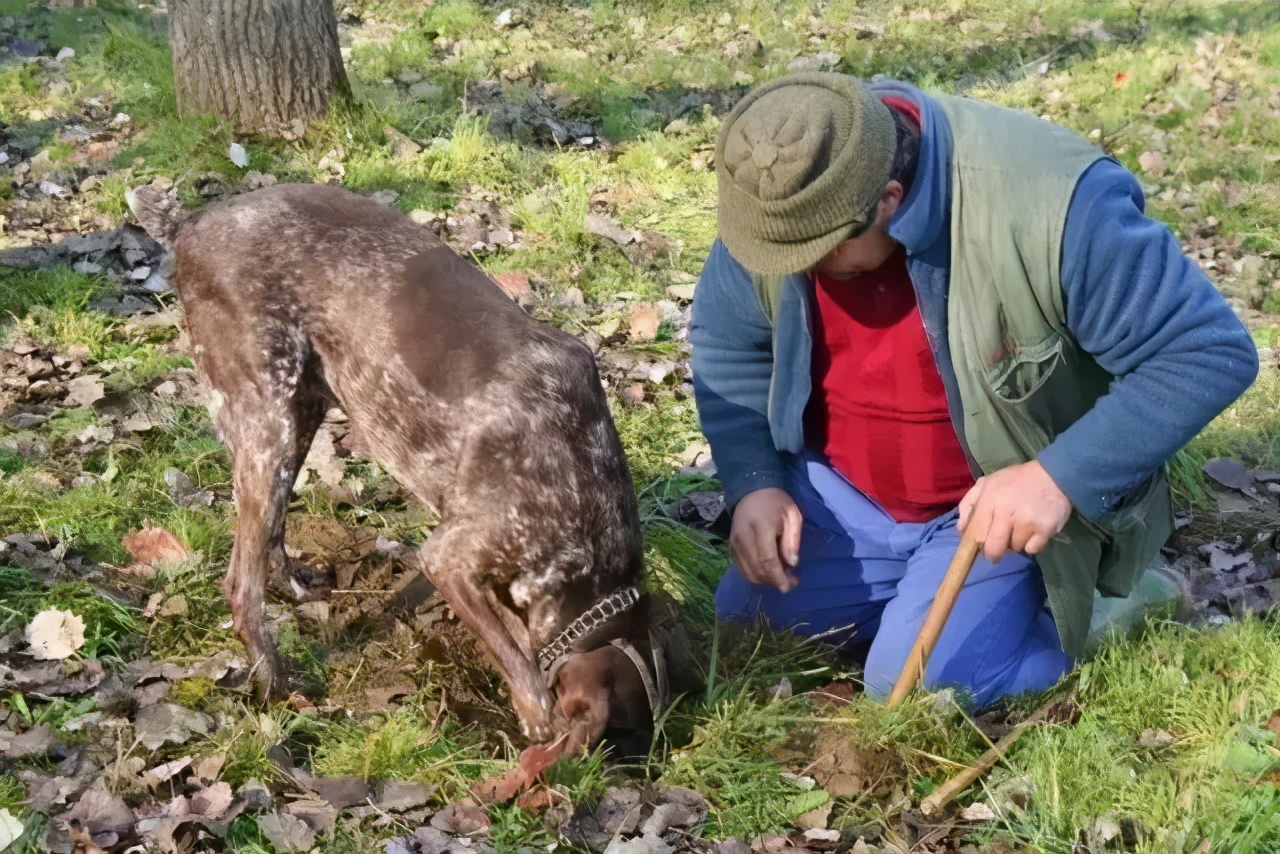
(960, 783)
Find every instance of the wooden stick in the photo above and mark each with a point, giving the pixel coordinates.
(939, 611)
(960, 783)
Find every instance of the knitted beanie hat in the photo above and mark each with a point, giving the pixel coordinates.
(800, 162)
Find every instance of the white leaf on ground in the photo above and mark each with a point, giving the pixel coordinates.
(164, 772)
(238, 155)
(978, 812)
(55, 634)
(286, 833)
(83, 391)
(10, 829)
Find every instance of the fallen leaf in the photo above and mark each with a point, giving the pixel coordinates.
(642, 323)
(978, 811)
(317, 813)
(461, 819)
(208, 768)
(401, 795)
(154, 547)
(102, 815)
(815, 819)
(10, 829)
(55, 634)
(85, 390)
(161, 773)
(37, 741)
(213, 801)
(343, 792)
(286, 832)
(169, 722)
(642, 845)
(533, 761)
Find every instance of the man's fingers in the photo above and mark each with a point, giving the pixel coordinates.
(1036, 544)
(792, 525)
(996, 543)
(967, 505)
(768, 561)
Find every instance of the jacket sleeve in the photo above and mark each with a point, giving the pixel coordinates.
(732, 366)
(1154, 321)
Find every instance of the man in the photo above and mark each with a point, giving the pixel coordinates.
(924, 315)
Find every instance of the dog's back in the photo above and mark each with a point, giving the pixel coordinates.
(480, 410)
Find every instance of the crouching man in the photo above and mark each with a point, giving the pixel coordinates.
(927, 314)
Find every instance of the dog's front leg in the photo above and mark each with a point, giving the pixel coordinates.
(455, 565)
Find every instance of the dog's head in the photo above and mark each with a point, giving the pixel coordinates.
(606, 690)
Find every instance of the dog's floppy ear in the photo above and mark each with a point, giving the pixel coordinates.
(597, 690)
(158, 212)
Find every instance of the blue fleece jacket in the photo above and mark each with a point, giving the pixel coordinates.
(1146, 313)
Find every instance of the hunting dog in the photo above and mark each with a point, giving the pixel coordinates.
(300, 296)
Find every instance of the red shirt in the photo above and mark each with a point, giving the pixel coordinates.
(878, 408)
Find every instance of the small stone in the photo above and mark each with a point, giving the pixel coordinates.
(167, 388)
(409, 76)
(156, 284)
(573, 296)
(422, 217)
(65, 54)
(385, 197)
(88, 268)
(140, 274)
(89, 184)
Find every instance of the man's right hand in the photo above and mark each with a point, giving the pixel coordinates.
(765, 538)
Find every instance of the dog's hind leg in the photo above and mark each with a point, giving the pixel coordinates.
(268, 419)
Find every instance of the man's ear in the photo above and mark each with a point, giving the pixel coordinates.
(890, 201)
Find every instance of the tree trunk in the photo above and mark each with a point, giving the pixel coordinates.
(268, 65)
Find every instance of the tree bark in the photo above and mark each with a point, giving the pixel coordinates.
(270, 66)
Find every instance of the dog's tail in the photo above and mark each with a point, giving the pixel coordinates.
(157, 211)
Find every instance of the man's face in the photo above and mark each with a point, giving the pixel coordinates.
(868, 250)
(862, 254)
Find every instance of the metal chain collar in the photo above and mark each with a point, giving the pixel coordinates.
(594, 617)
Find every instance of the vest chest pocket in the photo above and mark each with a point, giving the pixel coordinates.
(1025, 369)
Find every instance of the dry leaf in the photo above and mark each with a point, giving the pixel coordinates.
(55, 634)
(286, 832)
(533, 761)
(213, 801)
(164, 772)
(208, 768)
(154, 547)
(643, 322)
(461, 819)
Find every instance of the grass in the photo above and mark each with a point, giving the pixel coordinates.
(1193, 80)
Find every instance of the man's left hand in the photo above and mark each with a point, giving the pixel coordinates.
(1019, 508)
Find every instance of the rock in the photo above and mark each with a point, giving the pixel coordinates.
(155, 283)
(681, 293)
(825, 61)
(422, 217)
(409, 76)
(385, 197)
(65, 54)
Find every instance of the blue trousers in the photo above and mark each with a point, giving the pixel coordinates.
(865, 577)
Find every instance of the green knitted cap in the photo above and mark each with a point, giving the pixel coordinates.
(800, 162)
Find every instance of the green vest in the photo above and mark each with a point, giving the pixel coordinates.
(1022, 378)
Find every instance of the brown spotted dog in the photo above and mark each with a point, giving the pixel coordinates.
(301, 296)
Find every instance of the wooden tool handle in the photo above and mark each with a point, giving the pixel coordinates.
(939, 611)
